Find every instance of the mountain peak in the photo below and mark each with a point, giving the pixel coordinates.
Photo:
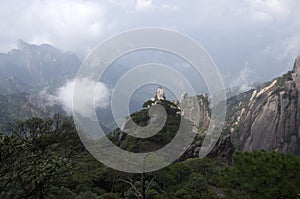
(296, 71)
(297, 65)
(38, 65)
(21, 44)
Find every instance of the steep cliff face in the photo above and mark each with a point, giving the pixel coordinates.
(270, 120)
(265, 118)
(203, 119)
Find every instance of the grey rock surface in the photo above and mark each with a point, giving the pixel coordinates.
(270, 121)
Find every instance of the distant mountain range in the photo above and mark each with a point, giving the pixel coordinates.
(36, 67)
(25, 72)
(266, 117)
(12, 85)
(30, 70)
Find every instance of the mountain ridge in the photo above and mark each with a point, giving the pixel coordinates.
(38, 65)
(270, 119)
(266, 117)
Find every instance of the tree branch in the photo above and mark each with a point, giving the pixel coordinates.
(137, 193)
(150, 183)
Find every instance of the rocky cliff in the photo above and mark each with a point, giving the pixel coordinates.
(270, 119)
(204, 112)
(265, 118)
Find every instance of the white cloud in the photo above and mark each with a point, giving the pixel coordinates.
(143, 4)
(266, 11)
(286, 48)
(291, 46)
(243, 80)
(67, 24)
(232, 31)
(261, 16)
(85, 104)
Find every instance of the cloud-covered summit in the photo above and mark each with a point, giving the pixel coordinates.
(265, 34)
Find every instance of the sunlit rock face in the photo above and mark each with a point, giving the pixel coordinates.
(160, 94)
(271, 119)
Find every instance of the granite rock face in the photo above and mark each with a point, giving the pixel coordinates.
(271, 119)
(266, 118)
(202, 120)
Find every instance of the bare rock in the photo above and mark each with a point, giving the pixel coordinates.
(272, 119)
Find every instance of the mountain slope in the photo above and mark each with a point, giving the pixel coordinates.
(25, 72)
(271, 118)
(38, 66)
(21, 106)
(12, 85)
(265, 118)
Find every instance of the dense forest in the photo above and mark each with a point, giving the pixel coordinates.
(44, 158)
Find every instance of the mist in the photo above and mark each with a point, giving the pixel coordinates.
(64, 96)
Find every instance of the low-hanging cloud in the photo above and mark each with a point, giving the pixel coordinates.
(73, 25)
(84, 107)
(243, 80)
(264, 33)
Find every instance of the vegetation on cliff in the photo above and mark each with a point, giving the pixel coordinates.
(44, 158)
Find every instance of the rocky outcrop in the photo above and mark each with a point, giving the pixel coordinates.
(270, 121)
(175, 113)
(190, 104)
(265, 118)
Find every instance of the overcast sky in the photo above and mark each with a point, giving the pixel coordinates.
(250, 40)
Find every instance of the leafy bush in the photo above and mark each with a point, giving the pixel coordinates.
(262, 175)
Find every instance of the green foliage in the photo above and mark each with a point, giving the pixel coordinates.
(22, 106)
(192, 178)
(284, 78)
(110, 196)
(262, 175)
(147, 103)
(163, 137)
(33, 159)
(45, 159)
(236, 103)
(169, 106)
